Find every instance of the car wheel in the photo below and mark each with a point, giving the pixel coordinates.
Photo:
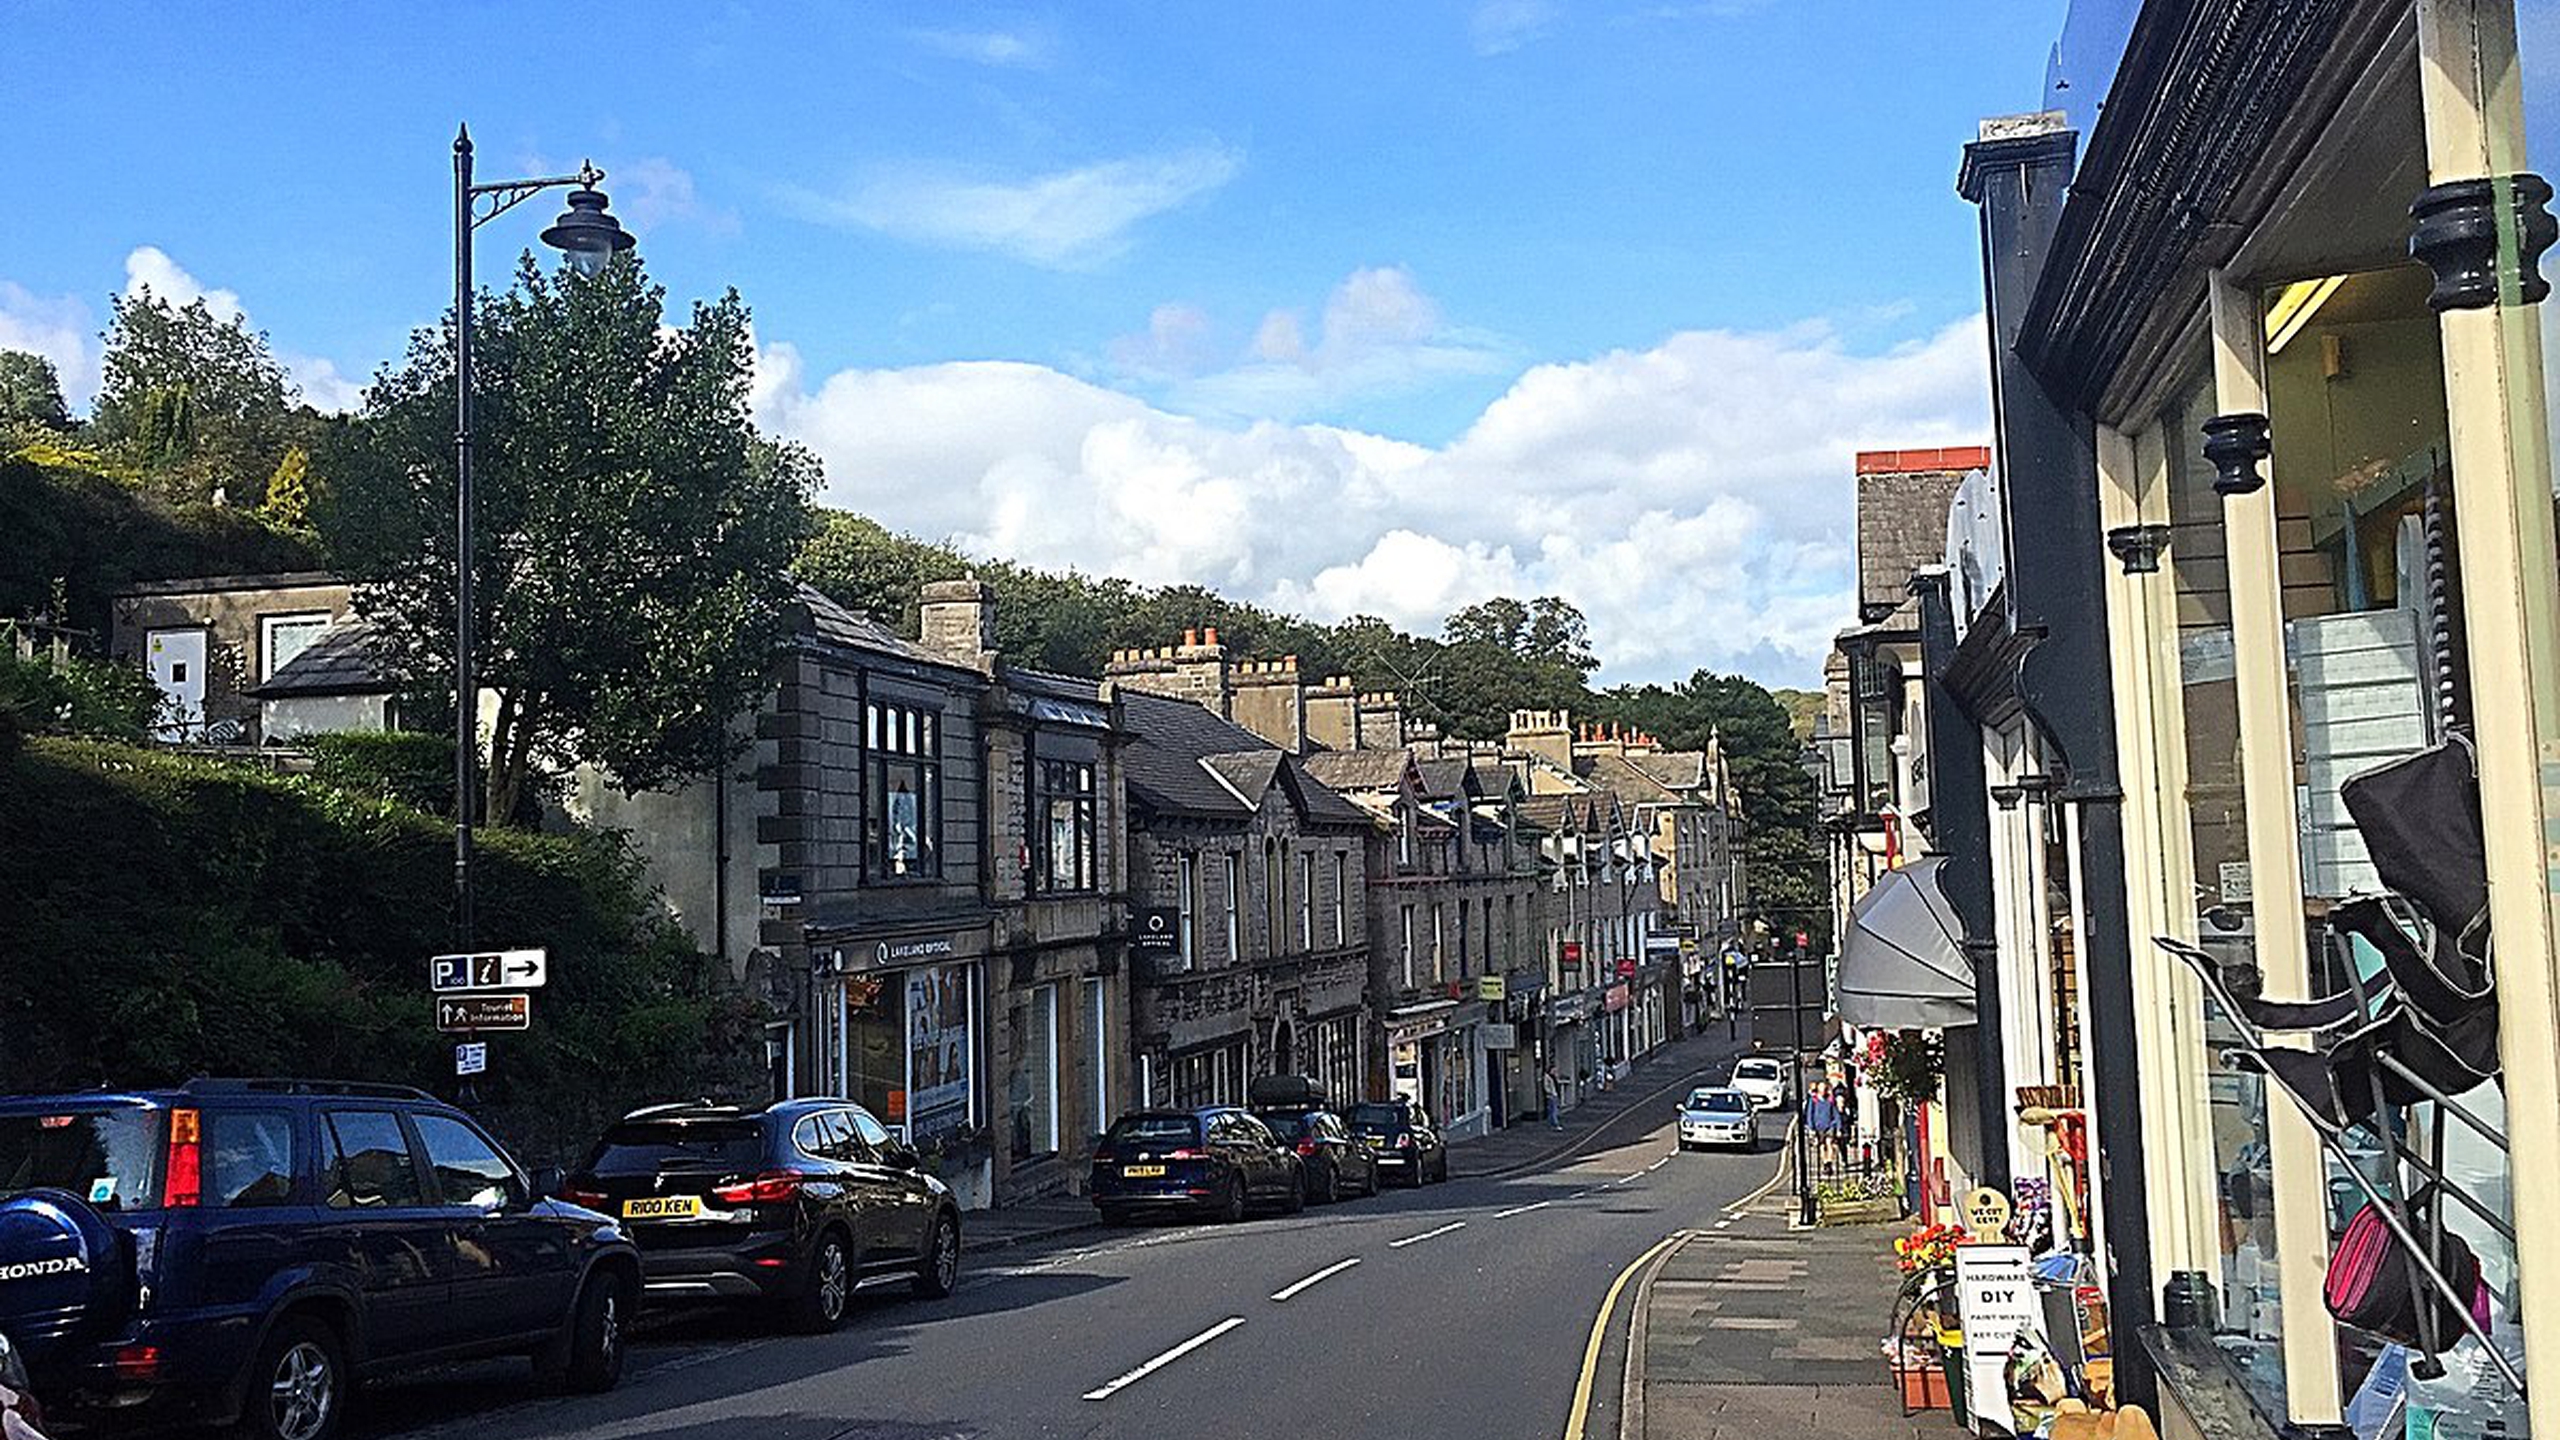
(938, 1271)
(1231, 1206)
(821, 1305)
(1331, 1190)
(298, 1386)
(596, 1334)
(1296, 1199)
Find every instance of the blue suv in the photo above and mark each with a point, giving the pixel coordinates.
(248, 1250)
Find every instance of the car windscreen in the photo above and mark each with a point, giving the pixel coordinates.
(106, 1157)
(647, 1147)
(1140, 1129)
(1378, 1118)
(1712, 1100)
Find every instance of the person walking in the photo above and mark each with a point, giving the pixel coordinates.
(1551, 1091)
(1822, 1119)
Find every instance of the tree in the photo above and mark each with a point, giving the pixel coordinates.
(31, 392)
(197, 400)
(634, 531)
(288, 502)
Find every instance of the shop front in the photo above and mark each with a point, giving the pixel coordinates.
(1571, 1044)
(903, 1033)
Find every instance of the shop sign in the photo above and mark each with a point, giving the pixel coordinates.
(1490, 987)
(1154, 932)
(1986, 1212)
(1501, 1037)
(2048, 1097)
(1573, 952)
(1616, 999)
(1996, 1298)
(1626, 967)
(1569, 1009)
(908, 952)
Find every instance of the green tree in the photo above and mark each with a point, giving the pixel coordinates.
(197, 399)
(288, 502)
(633, 529)
(31, 392)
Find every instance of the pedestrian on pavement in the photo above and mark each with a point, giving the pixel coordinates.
(1822, 1119)
(1550, 1091)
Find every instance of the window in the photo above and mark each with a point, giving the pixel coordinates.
(1341, 897)
(281, 637)
(1097, 1009)
(1187, 900)
(1404, 836)
(1031, 1090)
(1406, 952)
(468, 1169)
(1273, 899)
(1063, 832)
(248, 1157)
(904, 816)
(1234, 896)
(1439, 942)
(369, 1164)
(869, 1131)
(1307, 901)
(1463, 927)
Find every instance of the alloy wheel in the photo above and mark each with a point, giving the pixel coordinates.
(834, 1282)
(946, 1255)
(609, 1326)
(303, 1394)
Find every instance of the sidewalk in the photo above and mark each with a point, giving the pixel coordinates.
(1765, 1332)
(1647, 1091)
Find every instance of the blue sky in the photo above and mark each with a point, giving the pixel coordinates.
(1347, 307)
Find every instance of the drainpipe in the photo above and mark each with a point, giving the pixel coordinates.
(2018, 173)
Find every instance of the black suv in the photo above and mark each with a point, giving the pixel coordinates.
(799, 1204)
(253, 1248)
(1410, 1148)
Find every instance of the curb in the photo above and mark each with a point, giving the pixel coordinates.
(1026, 1237)
(1631, 1404)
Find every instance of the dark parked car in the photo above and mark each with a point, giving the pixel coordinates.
(1339, 1160)
(798, 1205)
(1218, 1162)
(253, 1248)
(1409, 1146)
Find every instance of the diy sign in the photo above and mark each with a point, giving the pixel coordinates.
(1996, 1299)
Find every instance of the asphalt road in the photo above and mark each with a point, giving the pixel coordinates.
(1460, 1310)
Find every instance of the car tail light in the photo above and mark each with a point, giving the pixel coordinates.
(585, 1199)
(1404, 1142)
(138, 1362)
(184, 1185)
(1306, 1147)
(771, 1188)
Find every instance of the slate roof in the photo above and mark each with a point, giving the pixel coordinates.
(1625, 779)
(1249, 771)
(1183, 760)
(341, 660)
(1359, 769)
(835, 624)
(1445, 779)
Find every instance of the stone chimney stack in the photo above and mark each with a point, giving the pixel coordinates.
(1271, 701)
(1333, 713)
(1195, 670)
(1544, 734)
(1381, 721)
(960, 622)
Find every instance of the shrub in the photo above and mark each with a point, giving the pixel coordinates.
(72, 696)
(172, 916)
(401, 766)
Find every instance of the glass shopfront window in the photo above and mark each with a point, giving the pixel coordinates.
(910, 1046)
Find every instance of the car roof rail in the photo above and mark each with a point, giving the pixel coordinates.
(269, 1085)
(705, 1105)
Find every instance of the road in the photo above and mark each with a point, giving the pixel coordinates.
(1462, 1309)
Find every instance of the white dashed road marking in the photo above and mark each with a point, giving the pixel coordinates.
(1523, 1209)
(1334, 1269)
(1128, 1378)
(1425, 1235)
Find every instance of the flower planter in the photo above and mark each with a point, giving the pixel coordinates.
(1924, 1387)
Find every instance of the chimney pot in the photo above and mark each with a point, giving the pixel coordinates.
(1190, 637)
(1209, 636)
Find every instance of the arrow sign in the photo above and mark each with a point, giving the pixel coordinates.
(469, 1013)
(489, 970)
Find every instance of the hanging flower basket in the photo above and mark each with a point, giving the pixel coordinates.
(1906, 1065)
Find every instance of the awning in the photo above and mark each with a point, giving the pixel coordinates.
(1902, 965)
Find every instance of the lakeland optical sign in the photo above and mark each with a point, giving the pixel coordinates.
(908, 952)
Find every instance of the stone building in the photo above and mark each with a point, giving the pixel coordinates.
(1614, 999)
(1262, 874)
(211, 641)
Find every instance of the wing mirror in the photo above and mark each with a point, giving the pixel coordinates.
(548, 1182)
(902, 1155)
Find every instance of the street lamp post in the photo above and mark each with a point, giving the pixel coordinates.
(589, 237)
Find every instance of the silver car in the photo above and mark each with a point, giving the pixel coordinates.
(1713, 1117)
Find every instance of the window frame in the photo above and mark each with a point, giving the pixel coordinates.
(901, 739)
(268, 624)
(1069, 781)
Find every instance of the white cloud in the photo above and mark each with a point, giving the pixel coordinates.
(652, 192)
(1378, 334)
(1067, 219)
(61, 329)
(1692, 497)
(1004, 49)
(1501, 26)
(150, 268)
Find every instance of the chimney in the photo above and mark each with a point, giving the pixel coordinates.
(1333, 714)
(1544, 734)
(1270, 701)
(1192, 670)
(1380, 721)
(960, 622)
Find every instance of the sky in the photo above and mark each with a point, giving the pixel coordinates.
(1346, 308)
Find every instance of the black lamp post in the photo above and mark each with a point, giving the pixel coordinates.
(589, 237)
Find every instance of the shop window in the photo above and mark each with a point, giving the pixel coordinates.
(903, 820)
(1063, 837)
(1097, 1011)
(1031, 1085)
(909, 1046)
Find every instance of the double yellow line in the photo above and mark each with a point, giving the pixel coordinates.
(1581, 1414)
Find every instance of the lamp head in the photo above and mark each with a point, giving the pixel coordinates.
(585, 233)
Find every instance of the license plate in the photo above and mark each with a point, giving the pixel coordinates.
(1142, 1172)
(662, 1207)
